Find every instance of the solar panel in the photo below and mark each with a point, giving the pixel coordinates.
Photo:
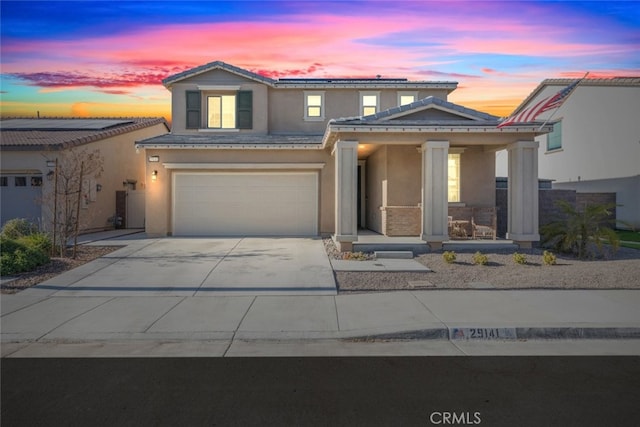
(61, 124)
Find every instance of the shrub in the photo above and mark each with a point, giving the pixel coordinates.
(548, 258)
(18, 257)
(519, 258)
(582, 231)
(480, 258)
(18, 227)
(39, 241)
(449, 257)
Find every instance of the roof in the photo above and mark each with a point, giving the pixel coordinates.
(616, 81)
(316, 83)
(396, 113)
(232, 141)
(35, 134)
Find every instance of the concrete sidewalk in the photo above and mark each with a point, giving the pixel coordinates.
(33, 319)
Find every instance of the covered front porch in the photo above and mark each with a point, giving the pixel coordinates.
(426, 181)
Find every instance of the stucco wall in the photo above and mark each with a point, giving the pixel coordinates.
(404, 168)
(477, 177)
(218, 77)
(158, 195)
(120, 162)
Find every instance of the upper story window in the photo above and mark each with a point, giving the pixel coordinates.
(554, 139)
(454, 178)
(369, 103)
(220, 110)
(314, 106)
(405, 98)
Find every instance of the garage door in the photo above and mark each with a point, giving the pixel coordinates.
(245, 204)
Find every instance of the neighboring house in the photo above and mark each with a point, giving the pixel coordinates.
(29, 148)
(595, 142)
(250, 155)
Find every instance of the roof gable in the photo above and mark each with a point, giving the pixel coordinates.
(216, 65)
(561, 83)
(429, 109)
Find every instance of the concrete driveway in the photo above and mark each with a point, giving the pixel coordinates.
(203, 266)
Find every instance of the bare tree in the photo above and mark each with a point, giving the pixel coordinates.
(73, 167)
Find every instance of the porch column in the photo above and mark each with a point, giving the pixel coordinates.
(435, 206)
(522, 225)
(346, 191)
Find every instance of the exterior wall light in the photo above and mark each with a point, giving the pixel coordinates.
(154, 159)
(154, 176)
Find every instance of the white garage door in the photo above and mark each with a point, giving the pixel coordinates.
(245, 204)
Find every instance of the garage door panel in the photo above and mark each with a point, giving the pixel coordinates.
(245, 203)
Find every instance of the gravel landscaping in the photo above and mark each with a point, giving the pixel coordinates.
(618, 271)
(57, 266)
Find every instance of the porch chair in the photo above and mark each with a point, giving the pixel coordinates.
(488, 223)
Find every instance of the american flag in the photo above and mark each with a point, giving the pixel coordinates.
(554, 101)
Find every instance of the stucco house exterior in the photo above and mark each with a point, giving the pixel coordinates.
(29, 148)
(595, 142)
(251, 155)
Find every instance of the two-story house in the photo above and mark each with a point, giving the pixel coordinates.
(251, 155)
(595, 142)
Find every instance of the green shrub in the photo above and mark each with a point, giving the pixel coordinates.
(18, 227)
(480, 258)
(39, 241)
(519, 258)
(548, 258)
(449, 257)
(18, 257)
(582, 232)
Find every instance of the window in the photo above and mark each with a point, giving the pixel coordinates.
(369, 103)
(454, 178)
(230, 110)
(405, 98)
(4, 181)
(221, 112)
(20, 181)
(314, 105)
(36, 181)
(554, 139)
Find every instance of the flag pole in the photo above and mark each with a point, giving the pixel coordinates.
(556, 110)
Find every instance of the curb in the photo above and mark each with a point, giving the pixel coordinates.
(505, 334)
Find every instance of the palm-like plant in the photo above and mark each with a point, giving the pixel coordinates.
(581, 230)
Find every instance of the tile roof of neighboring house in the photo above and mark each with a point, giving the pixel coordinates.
(421, 104)
(309, 82)
(35, 134)
(616, 81)
(232, 141)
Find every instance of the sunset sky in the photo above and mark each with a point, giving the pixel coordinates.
(107, 58)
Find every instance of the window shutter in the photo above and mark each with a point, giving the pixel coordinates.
(194, 106)
(244, 106)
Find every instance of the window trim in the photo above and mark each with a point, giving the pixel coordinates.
(369, 93)
(307, 117)
(458, 179)
(557, 135)
(407, 93)
(235, 111)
